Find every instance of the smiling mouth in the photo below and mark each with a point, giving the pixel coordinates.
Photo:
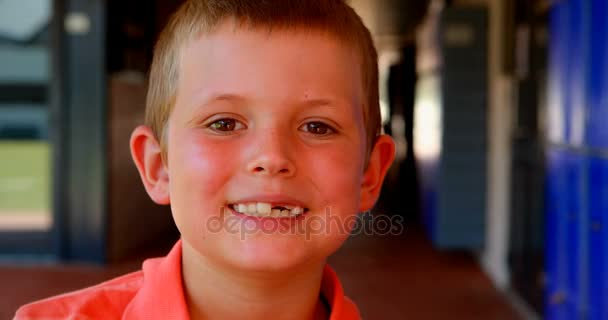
(268, 210)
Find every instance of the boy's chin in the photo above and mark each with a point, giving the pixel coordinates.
(262, 255)
(269, 258)
(271, 266)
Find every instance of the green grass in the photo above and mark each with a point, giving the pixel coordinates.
(25, 168)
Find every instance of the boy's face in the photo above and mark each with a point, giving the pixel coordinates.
(271, 118)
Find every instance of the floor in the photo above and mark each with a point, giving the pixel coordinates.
(389, 277)
(403, 277)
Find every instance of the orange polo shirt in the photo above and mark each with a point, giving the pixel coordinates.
(155, 292)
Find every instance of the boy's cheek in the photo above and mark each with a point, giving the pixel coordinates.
(198, 169)
(339, 178)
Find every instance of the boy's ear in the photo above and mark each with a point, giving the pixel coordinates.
(147, 155)
(380, 160)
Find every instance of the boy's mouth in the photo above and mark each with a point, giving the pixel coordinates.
(268, 210)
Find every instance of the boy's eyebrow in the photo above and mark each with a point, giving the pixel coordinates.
(320, 102)
(222, 97)
(330, 103)
(214, 97)
(231, 97)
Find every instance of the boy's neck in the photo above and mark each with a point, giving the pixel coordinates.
(213, 292)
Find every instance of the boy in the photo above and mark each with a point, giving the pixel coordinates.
(261, 115)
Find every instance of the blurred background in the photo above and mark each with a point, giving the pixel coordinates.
(500, 113)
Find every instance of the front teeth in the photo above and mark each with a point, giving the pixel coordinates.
(263, 209)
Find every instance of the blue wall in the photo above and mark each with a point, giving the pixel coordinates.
(576, 192)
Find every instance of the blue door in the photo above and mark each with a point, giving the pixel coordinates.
(556, 236)
(557, 113)
(566, 248)
(597, 90)
(576, 221)
(575, 65)
(598, 237)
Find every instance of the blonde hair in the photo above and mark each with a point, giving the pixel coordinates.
(197, 17)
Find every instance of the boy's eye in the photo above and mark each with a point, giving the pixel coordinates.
(317, 128)
(226, 125)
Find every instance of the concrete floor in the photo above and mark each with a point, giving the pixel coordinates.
(389, 277)
(403, 277)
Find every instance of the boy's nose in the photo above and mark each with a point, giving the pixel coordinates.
(271, 157)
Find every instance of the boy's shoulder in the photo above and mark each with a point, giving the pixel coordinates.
(107, 299)
(126, 297)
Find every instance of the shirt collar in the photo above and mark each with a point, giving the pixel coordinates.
(162, 294)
